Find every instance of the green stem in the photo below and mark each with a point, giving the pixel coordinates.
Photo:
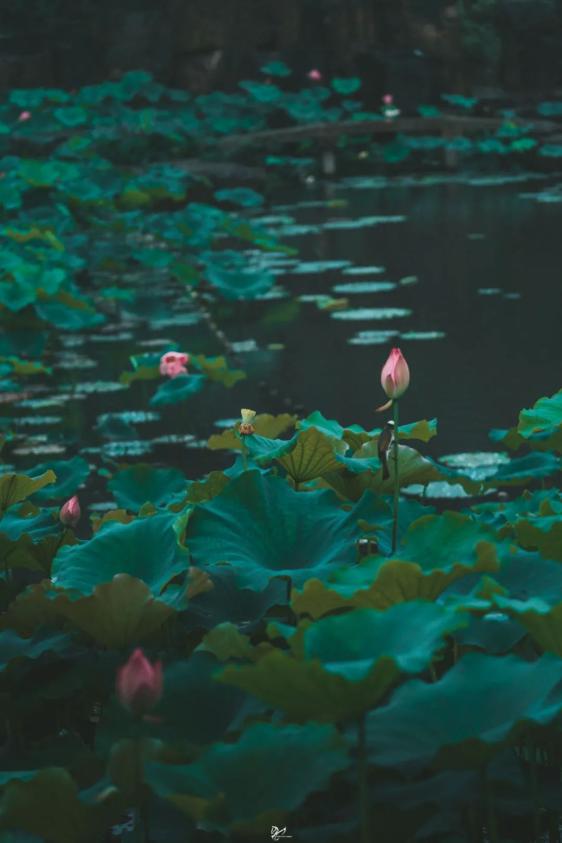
(396, 478)
(491, 821)
(140, 792)
(362, 779)
(535, 793)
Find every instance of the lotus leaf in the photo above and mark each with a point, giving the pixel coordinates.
(461, 719)
(349, 662)
(261, 528)
(289, 762)
(137, 484)
(146, 548)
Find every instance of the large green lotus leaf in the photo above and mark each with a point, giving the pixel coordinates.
(524, 575)
(177, 389)
(262, 528)
(521, 470)
(543, 532)
(216, 369)
(539, 427)
(146, 548)
(542, 621)
(349, 645)
(70, 475)
(26, 518)
(312, 455)
(385, 583)
(119, 613)
(348, 662)
(461, 719)
(494, 633)
(49, 800)
(227, 602)
(413, 469)
(12, 646)
(265, 425)
(502, 515)
(263, 450)
(141, 483)
(17, 487)
(226, 642)
(18, 553)
(285, 763)
(356, 436)
(543, 422)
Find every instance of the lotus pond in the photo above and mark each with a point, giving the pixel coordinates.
(301, 677)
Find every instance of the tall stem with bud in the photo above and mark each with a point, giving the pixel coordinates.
(396, 478)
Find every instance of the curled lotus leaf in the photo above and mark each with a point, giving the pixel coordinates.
(348, 661)
(447, 722)
(539, 427)
(304, 760)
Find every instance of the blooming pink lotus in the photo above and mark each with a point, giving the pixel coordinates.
(139, 683)
(395, 374)
(174, 363)
(314, 75)
(69, 514)
(25, 115)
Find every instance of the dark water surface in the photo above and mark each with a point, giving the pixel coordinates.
(494, 352)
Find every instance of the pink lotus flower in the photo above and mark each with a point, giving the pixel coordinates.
(388, 99)
(69, 514)
(174, 363)
(25, 115)
(314, 75)
(395, 374)
(139, 683)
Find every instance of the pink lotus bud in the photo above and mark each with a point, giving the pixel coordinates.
(314, 75)
(174, 363)
(25, 115)
(388, 99)
(395, 374)
(69, 514)
(139, 683)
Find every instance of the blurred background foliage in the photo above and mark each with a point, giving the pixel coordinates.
(417, 48)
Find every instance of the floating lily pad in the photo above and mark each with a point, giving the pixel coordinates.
(372, 313)
(364, 287)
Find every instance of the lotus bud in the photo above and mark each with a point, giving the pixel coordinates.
(314, 75)
(24, 116)
(174, 363)
(246, 426)
(69, 514)
(395, 374)
(139, 683)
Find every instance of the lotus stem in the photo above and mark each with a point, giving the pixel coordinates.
(362, 779)
(396, 478)
(491, 820)
(140, 791)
